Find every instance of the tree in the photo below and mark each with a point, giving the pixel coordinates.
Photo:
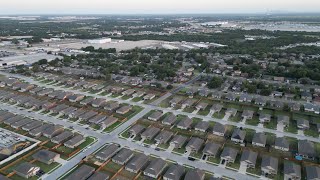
(215, 82)
(169, 86)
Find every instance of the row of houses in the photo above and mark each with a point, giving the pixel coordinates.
(153, 168)
(99, 87)
(306, 149)
(36, 128)
(260, 101)
(68, 111)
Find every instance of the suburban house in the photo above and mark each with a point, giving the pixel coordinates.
(188, 103)
(155, 168)
(174, 172)
(135, 130)
(178, 141)
(269, 166)
(211, 149)
(39, 130)
(202, 126)
(228, 155)
(248, 158)
(137, 163)
(313, 172)
(109, 121)
(169, 119)
(155, 116)
(195, 174)
(247, 114)
(238, 136)
(194, 145)
(176, 100)
(75, 141)
(123, 156)
(245, 98)
(26, 170)
(124, 110)
(76, 97)
(163, 137)
(281, 143)
(219, 129)
(46, 156)
(99, 176)
(99, 102)
(259, 139)
(291, 171)
(260, 101)
(203, 92)
(53, 131)
(185, 123)
(81, 173)
(216, 108)
(264, 117)
(201, 106)
(303, 124)
(107, 152)
(231, 111)
(65, 135)
(149, 97)
(284, 120)
(306, 149)
(111, 106)
(150, 133)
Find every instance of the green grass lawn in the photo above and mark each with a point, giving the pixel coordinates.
(112, 127)
(180, 151)
(271, 125)
(189, 109)
(236, 118)
(125, 97)
(113, 166)
(45, 167)
(254, 121)
(292, 127)
(204, 112)
(214, 160)
(219, 115)
(88, 141)
(148, 141)
(137, 99)
(164, 146)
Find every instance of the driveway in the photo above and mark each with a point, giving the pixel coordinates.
(243, 168)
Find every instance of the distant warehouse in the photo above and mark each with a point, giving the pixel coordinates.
(25, 59)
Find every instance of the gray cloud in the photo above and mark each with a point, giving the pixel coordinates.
(154, 6)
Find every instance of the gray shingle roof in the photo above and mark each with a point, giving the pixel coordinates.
(211, 148)
(269, 162)
(291, 168)
(194, 174)
(156, 166)
(260, 138)
(249, 156)
(174, 172)
(313, 172)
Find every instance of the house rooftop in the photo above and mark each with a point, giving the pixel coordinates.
(44, 155)
(174, 172)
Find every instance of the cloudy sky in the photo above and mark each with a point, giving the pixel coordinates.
(154, 6)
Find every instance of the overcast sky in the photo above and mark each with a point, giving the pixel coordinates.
(154, 6)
